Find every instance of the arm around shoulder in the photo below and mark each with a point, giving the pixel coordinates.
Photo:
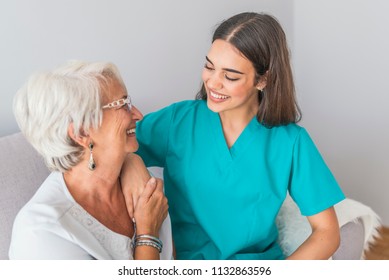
(133, 177)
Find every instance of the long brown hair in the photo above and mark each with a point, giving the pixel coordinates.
(260, 38)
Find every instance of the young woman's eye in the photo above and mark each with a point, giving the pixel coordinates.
(230, 79)
(208, 67)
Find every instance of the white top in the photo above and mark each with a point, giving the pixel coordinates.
(52, 225)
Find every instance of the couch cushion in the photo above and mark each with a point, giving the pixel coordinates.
(22, 171)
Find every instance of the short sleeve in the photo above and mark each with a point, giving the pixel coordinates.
(312, 185)
(153, 135)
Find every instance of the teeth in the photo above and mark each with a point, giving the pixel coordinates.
(218, 96)
(129, 131)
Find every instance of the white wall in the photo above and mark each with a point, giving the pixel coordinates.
(341, 59)
(159, 46)
(339, 51)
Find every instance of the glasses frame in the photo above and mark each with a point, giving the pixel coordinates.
(117, 104)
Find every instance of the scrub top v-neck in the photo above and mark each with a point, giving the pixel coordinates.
(223, 202)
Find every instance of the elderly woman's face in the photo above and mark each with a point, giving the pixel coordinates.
(116, 136)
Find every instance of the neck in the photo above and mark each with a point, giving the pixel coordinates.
(100, 184)
(238, 118)
(101, 196)
(235, 121)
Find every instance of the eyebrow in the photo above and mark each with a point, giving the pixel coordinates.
(225, 69)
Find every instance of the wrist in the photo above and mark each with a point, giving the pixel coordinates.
(145, 239)
(140, 229)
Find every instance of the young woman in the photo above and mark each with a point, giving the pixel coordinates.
(231, 156)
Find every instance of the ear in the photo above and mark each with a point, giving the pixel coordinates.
(262, 82)
(82, 139)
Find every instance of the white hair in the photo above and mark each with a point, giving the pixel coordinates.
(50, 101)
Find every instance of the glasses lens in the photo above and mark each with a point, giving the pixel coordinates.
(129, 103)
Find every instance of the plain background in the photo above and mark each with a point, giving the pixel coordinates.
(339, 54)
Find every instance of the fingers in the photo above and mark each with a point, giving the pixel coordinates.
(130, 207)
(151, 185)
(152, 208)
(133, 178)
(160, 196)
(159, 184)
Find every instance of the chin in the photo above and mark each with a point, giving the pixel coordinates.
(214, 107)
(132, 147)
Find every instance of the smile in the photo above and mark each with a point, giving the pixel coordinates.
(130, 131)
(218, 96)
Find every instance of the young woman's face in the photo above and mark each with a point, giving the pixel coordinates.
(229, 79)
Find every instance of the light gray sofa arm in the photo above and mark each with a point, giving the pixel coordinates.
(352, 241)
(22, 171)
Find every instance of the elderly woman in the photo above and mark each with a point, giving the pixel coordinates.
(81, 120)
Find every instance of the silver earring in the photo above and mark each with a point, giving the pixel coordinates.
(91, 163)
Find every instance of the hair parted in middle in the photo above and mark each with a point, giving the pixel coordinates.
(261, 39)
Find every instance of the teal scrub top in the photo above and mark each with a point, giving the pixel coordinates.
(223, 202)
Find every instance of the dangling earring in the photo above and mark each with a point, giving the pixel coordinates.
(91, 164)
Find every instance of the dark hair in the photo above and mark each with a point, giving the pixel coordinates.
(260, 38)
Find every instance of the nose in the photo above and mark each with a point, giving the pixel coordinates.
(136, 114)
(213, 80)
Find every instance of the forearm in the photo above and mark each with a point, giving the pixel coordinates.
(147, 246)
(146, 253)
(320, 245)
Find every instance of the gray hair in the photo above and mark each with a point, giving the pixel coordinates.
(50, 101)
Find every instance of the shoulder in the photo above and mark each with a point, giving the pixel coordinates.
(189, 109)
(37, 227)
(176, 113)
(190, 104)
(290, 132)
(48, 204)
(184, 106)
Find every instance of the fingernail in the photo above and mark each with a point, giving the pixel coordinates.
(153, 181)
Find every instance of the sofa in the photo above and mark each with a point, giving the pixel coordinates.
(22, 171)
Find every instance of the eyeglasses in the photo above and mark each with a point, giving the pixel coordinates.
(117, 104)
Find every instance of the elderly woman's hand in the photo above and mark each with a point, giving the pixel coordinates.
(151, 209)
(133, 177)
